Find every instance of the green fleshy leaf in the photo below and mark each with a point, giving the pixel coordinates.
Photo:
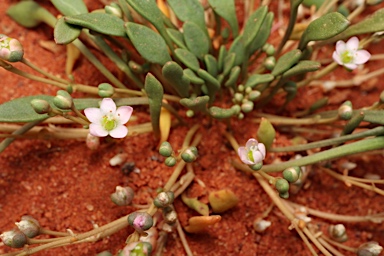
(238, 48)
(148, 43)
(211, 64)
(263, 35)
(325, 27)
(188, 59)
(198, 104)
(317, 3)
(372, 116)
(266, 133)
(221, 113)
(175, 76)
(256, 79)
(103, 23)
(233, 76)
(302, 67)
(371, 24)
(193, 77)
(212, 84)
(229, 63)
(253, 24)
(195, 204)
(29, 14)
(220, 61)
(154, 91)
(226, 9)
(189, 10)
(286, 61)
(195, 39)
(176, 37)
(70, 7)
(65, 33)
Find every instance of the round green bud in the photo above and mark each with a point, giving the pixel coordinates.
(236, 109)
(163, 199)
(345, 111)
(10, 49)
(189, 155)
(240, 88)
(194, 150)
(247, 106)
(106, 90)
(248, 90)
(190, 113)
(14, 238)
(41, 106)
(282, 185)
(284, 195)
(254, 95)
(240, 116)
(63, 100)
(292, 174)
(165, 149)
(69, 89)
(140, 221)
(114, 9)
(29, 226)
(269, 63)
(256, 167)
(170, 161)
(123, 196)
(238, 97)
(135, 67)
(269, 49)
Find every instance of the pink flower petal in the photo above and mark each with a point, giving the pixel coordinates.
(257, 157)
(340, 47)
(119, 132)
(124, 113)
(250, 143)
(262, 150)
(107, 106)
(242, 152)
(93, 114)
(350, 66)
(97, 130)
(362, 56)
(353, 44)
(336, 57)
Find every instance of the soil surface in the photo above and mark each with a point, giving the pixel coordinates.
(64, 185)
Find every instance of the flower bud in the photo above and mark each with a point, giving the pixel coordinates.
(253, 95)
(10, 49)
(190, 113)
(247, 106)
(163, 199)
(41, 106)
(105, 90)
(123, 196)
(14, 238)
(269, 63)
(238, 97)
(269, 49)
(170, 161)
(282, 185)
(345, 111)
(63, 100)
(137, 249)
(190, 154)
(165, 149)
(369, 249)
(29, 226)
(140, 221)
(169, 215)
(114, 9)
(92, 142)
(338, 232)
(292, 174)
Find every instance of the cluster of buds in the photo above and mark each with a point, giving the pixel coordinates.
(10, 49)
(188, 155)
(28, 227)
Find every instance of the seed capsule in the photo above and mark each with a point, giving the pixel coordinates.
(29, 226)
(292, 174)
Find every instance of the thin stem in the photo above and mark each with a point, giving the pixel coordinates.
(183, 239)
(328, 69)
(342, 246)
(53, 233)
(329, 247)
(340, 151)
(43, 72)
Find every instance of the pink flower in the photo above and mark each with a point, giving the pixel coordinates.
(106, 120)
(10, 49)
(348, 55)
(253, 152)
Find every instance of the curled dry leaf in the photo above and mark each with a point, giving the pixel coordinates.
(199, 224)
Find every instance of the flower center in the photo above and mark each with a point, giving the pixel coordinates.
(4, 42)
(346, 57)
(250, 152)
(109, 123)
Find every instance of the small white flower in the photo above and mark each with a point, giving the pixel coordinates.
(253, 152)
(348, 55)
(107, 120)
